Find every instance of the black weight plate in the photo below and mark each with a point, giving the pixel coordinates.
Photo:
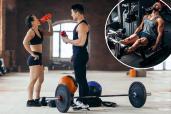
(63, 104)
(137, 94)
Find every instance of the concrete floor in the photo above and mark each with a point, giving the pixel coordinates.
(13, 94)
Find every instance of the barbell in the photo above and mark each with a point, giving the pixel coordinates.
(63, 97)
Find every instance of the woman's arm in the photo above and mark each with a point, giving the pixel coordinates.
(26, 42)
(50, 31)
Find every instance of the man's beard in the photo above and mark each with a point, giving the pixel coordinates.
(156, 9)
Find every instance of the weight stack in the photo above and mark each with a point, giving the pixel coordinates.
(130, 27)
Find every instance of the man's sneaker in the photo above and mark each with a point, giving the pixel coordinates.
(73, 104)
(32, 103)
(80, 105)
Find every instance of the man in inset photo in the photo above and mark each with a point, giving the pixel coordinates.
(138, 35)
(149, 33)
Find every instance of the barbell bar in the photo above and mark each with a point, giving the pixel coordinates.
(137, 96)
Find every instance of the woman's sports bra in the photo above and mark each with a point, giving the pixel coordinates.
(37, 40)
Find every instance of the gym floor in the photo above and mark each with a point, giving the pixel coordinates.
(13, 92)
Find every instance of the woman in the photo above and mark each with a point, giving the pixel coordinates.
(33, 45)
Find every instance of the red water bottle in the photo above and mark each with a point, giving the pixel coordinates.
(45, 18)
(63, 34)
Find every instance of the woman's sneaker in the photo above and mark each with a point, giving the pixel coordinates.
(33, 103)
(37, 101)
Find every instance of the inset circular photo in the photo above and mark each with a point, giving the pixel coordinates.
(138, 32)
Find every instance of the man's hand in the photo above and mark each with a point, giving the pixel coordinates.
(65, 39)
(154, 47)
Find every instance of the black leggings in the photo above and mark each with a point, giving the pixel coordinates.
(79, 61)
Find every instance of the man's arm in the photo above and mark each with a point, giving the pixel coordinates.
(82, 36)
(160, 30)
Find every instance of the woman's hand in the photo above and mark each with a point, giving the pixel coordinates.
(49, 21)
(36, 57)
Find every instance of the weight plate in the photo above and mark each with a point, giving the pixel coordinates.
(137, 94)
(63, 104)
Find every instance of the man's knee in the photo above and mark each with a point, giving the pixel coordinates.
(144, 41)
(138, 41)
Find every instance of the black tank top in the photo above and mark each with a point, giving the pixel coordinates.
(79, 49)
(37, 40)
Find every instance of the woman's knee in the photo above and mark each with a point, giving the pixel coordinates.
(34, 78)
(41, 79)
(32, 81)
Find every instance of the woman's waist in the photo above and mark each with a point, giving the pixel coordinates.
(36, 49)
(37, 53)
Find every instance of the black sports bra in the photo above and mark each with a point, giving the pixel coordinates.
(37, 40)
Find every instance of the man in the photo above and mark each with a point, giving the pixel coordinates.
(80, 54)
(149, 33)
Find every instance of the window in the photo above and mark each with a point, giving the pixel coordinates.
(60, 49)
(166, 65)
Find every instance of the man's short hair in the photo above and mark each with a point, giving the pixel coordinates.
(78, 8)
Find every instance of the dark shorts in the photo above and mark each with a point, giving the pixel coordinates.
(151, 40)
(32, 62)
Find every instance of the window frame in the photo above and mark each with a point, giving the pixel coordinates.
(51, 41)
